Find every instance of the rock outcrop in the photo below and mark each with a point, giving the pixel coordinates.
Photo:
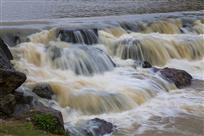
(10, 80)
(15, 104)
(43, 90)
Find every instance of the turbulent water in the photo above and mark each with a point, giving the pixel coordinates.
(96, 72)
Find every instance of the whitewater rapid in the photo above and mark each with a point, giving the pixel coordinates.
(97, 73)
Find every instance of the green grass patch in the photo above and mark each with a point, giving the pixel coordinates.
(48, 123)
(21, 128)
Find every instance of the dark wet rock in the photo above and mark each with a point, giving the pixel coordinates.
(179, 77)
(20, 110)
(146, 64)
(24, 104)
(5, 56)
(12, 39)
(43, 90)
(5, 49)
(22, 99)
(99, 127)
(10, 80)
(7, 104)
(83, 36)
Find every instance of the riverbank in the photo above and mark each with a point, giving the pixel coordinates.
(21, 128)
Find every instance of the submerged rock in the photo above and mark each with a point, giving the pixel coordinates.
(43, 90)
(82, 36)
(82, 60)
(146, 64)
(99, 127)
(179, 77)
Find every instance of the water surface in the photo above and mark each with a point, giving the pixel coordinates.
(45, 9)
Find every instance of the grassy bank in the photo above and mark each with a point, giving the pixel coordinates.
(20, 128)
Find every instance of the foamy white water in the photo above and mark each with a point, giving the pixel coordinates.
(102, 77)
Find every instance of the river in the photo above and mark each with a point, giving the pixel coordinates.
(92, 63)
(51, 9)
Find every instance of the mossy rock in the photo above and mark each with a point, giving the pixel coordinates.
(48, 122)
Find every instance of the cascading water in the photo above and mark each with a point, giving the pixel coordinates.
(93, 74)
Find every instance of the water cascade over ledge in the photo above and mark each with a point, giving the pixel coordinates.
(96, 72)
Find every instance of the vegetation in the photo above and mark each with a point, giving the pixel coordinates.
(48, 123)
(21, 128)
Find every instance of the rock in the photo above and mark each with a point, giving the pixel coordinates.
(12, 39)
(146, 64)
(5, 56)
(10, 80)
(20, 110)
(82, 36)
(7, 104)
(22, 99)
(99, 127)
(5, 49)
(43, 90)
(179, 77)
(47, 119)
(23, 104)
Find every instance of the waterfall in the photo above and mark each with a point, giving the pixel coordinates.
(93, 71)
(84, 36)
(159, 49)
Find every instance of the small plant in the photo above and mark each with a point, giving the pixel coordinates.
(48, 123)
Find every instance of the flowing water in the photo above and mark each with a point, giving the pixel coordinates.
(52, 9)
(96, 72)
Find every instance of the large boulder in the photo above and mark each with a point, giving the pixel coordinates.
(5, 56)
(47, 119)
(7, 104)
(10, 80)
(179, 77)
(43, 90)
(5, 49)
(99, 127)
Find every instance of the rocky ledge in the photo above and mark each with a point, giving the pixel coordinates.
(15, 105)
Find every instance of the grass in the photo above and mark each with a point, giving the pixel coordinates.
(21, 128)
(47, 122)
